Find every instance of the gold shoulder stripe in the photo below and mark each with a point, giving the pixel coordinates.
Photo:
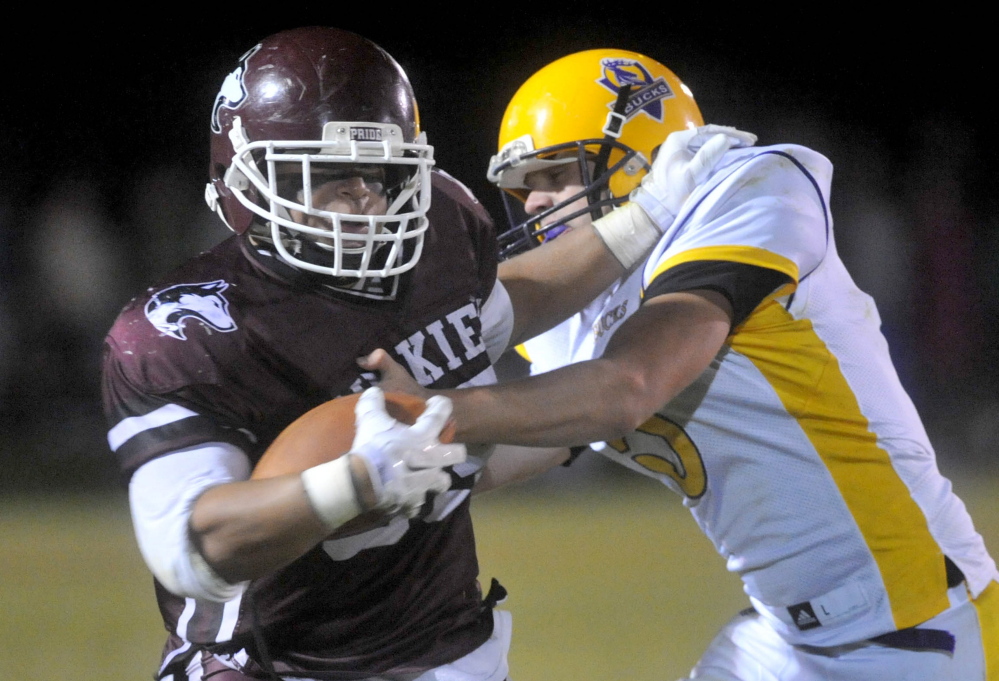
(748, 255)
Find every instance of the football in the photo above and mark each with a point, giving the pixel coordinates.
(327, 432)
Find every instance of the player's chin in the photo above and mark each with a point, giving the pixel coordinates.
(349, 247)
(349, 228)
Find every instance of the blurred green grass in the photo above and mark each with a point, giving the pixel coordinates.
(607, 580)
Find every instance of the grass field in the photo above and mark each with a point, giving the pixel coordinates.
(608, 583)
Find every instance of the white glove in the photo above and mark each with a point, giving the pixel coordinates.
(685, 160)
(404, 462)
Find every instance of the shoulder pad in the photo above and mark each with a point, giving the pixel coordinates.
(459, 192)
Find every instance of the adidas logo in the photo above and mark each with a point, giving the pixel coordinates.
(803, 616)
(804, 619)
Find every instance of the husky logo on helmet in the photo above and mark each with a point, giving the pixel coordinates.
(649, 93)
(233, 91)
(204, 302)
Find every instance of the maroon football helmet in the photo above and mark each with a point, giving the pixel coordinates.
(306, 105)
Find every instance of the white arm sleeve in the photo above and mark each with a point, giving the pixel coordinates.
(161, 495)
(497, 321)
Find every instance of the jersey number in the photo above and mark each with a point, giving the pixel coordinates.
(664, 447)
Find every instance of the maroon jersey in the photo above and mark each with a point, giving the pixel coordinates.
(232, 347)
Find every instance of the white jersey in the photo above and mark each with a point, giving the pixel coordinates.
(797, 451)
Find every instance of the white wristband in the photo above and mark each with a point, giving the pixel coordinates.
(330, 488)
(628, 232)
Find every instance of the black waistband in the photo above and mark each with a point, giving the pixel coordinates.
(917, 639)
(954, 574)
(932, 640)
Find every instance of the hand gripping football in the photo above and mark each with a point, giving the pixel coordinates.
(326, 433)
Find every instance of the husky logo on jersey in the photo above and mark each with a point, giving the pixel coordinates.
(233, 90)
(204, 302)
(648, 93)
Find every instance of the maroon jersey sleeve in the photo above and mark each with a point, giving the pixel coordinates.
(477, 225)
(145, 426)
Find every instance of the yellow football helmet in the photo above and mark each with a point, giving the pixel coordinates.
(606, 109)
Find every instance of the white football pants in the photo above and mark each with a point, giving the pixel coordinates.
(748, 649)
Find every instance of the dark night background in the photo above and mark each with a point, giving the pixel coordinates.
(104, 147)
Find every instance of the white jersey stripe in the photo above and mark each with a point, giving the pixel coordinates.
(169, 658)
(185, 617)
(230, 616)
(128, 428)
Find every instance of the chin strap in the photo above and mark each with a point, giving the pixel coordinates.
(612, 130)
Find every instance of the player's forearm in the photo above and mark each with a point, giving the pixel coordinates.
(510, 464)
(248, 529)
(549, 284)
(582, 403)
(655, 354)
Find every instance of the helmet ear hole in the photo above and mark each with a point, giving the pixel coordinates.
(218, 171)
(655, 153)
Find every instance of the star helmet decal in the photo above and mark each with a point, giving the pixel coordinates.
(647, 93)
